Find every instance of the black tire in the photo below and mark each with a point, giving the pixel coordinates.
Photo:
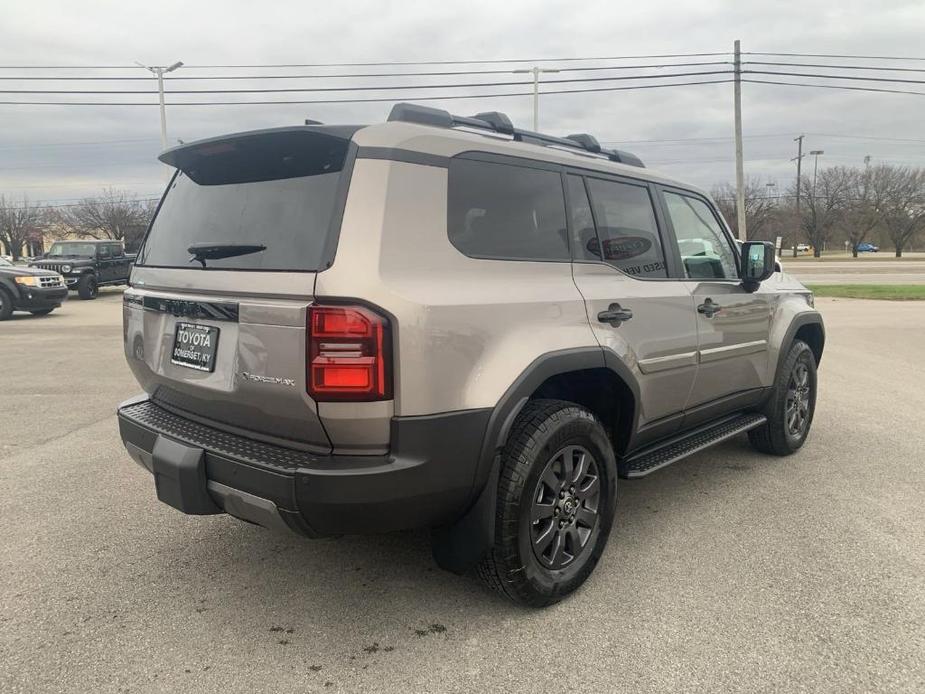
(791, 406)
(41, 312)
(546, 446)
(6, 304)
(88, 288)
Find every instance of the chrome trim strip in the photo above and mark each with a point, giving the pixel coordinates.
(738, 350)
(671, 361)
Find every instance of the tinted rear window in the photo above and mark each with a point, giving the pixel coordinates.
(279, 191)
(506, 212)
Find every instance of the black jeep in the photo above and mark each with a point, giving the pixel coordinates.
(25, 289)
(88, 265)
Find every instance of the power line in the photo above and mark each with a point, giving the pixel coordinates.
(75, 204)
(354, 101)
(832, 77)
(825, 65)
(835, 55)
(691, 139)
(78, 144)
(444, 73)
(374, 64)
(289, 90)
(834, 86)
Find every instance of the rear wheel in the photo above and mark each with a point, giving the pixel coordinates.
(792, 405)
(41, 312)
(6, 304)
(556, 501)
(87, 287)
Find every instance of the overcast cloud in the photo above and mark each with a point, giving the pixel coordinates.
(41, 154)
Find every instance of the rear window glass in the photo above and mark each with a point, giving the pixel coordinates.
(278, 191)
(506, 212)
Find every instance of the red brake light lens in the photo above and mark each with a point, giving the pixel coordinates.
(349, 354)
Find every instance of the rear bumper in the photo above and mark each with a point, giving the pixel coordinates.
(426, 481)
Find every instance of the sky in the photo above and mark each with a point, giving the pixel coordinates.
(59, 154)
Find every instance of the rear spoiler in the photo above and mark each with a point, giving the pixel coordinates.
(261, 155)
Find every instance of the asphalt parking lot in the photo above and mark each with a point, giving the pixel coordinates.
(727, 571)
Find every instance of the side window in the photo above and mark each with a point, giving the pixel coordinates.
(116, 250)
(103, 251)
(585, 245)
(506, 212)
(627, 233)
(704, 247)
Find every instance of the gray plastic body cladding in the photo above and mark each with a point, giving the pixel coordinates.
(426, 481)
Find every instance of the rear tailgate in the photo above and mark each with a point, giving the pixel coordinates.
(220, 334)
(255, 378)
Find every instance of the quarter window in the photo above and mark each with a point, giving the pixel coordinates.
(627, 233)
(703, 245)
(506, 212)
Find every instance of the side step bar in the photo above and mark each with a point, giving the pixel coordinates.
(667, 452)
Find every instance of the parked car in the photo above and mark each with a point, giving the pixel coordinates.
(448, 322)
(868, 248)
(23, 289)
(804, 248)
(88, 265)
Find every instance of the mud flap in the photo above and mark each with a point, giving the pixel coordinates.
(180, 477)
(460, 546)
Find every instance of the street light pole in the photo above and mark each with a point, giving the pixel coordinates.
(815, 154)
(535, 71)
(159, 73)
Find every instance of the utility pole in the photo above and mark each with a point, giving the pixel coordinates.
(799, 160)
(535, 71)
(159, 73)
(740, 166)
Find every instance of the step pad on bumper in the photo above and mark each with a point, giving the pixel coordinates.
(151, 416)
(653, 458)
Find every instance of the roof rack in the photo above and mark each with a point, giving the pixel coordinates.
(496, 122)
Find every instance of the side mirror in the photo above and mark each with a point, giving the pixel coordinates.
(758, 263)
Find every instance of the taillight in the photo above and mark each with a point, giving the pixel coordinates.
(349, 354)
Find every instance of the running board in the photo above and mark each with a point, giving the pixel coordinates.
(658, 456)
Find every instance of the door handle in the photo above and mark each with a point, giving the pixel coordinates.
(615, 315)
(708, 308)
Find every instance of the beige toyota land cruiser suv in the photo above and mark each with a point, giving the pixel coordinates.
(452, 323)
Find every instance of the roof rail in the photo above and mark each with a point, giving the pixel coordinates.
(494, 121)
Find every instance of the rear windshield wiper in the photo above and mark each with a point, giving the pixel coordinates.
(213, 251)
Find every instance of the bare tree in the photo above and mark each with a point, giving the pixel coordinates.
(759, 208)
(903, 208)
(20, 223)
(113, 215)
(867, 192)
(826, 199)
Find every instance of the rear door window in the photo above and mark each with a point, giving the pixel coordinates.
(278, 190)
(627, 231)
(506, 212)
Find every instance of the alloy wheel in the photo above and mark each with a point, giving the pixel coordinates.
(564, 509)
(799, 397)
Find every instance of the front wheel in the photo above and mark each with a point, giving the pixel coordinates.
(556, 502)
(792, 404)
(87, 287)
(6, 304)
